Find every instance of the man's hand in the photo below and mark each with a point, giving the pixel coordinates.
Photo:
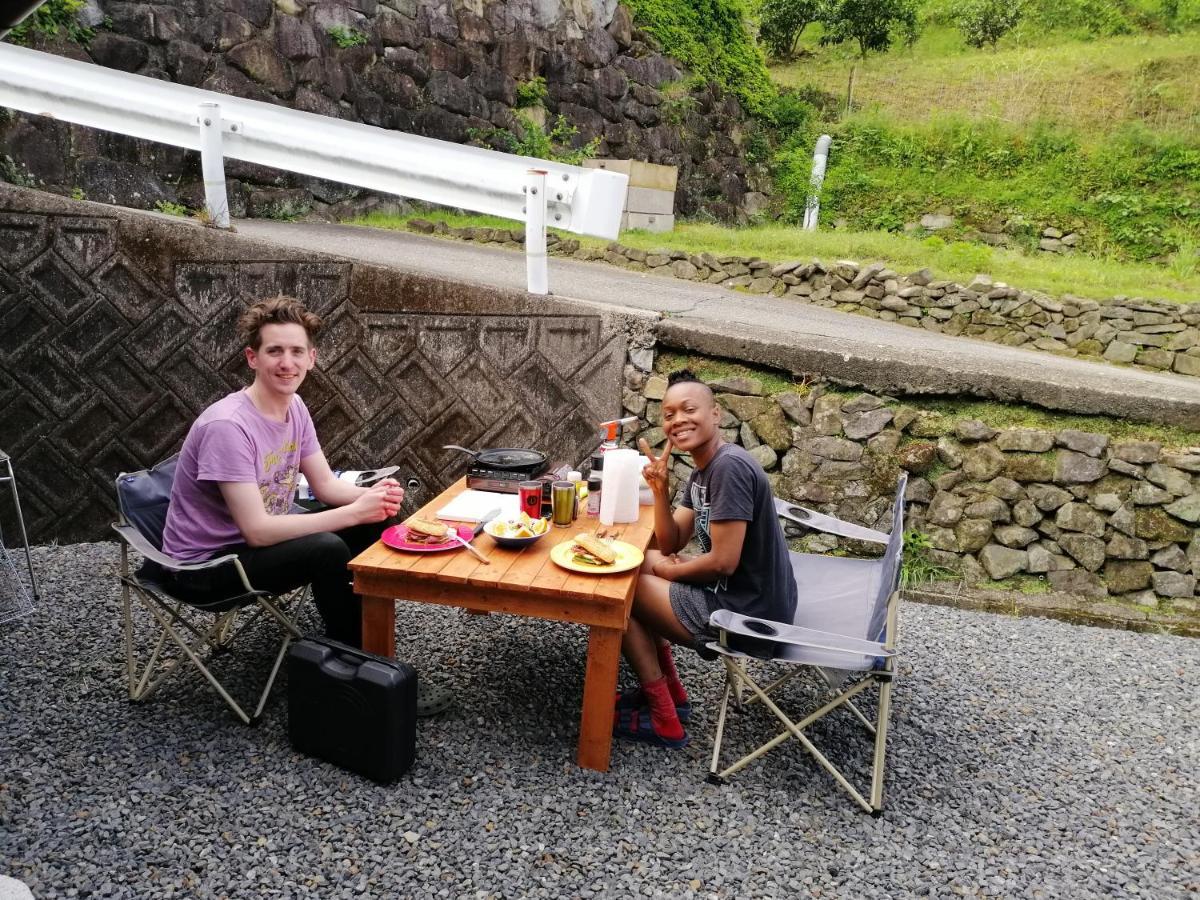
(378, 502)
(657, 472)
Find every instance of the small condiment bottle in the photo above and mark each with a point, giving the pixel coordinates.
(593, 497)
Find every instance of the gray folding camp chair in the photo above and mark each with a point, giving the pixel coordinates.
(844, 631)
(198, 630)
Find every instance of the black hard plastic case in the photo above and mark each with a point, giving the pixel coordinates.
(353, 709)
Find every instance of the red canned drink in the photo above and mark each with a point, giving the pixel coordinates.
(531, 498)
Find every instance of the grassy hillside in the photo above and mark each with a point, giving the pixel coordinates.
(1095, 86)
(1095, 135)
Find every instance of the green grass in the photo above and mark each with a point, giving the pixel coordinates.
(1094, 85)
(1024, 584)
(946, 411)
(1095, 135)
(1078, 275)
(709, 368)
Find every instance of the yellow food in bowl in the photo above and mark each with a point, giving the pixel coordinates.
(520, 527)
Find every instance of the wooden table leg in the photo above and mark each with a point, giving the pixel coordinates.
(379, 625)
(599, 693)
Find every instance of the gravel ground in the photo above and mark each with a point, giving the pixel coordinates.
(1063, 765)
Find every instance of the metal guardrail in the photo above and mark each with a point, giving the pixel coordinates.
(582, 201)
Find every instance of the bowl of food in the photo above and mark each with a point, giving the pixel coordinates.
(516, 532)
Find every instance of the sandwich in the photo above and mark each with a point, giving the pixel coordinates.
(589, 550)
(422, 531)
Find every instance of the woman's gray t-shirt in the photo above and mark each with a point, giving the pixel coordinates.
(733, 487)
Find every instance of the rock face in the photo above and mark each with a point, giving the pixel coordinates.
(1098, 518)
(440, 69)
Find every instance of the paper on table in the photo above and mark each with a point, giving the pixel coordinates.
(471, 506)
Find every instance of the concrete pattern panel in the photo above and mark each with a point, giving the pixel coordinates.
(107, 355)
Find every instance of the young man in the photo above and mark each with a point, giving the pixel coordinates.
(237, 476)
(743, 564)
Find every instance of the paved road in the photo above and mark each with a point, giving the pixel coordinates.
(881, 356)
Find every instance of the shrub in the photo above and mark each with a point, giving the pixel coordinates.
(872, 24)
(531, 93)
(782, 22)
(50, 19)
(986, 21)
(346, 37)
(710, 38)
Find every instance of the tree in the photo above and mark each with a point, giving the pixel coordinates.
(872, 24)
(781, 22)
(986, 21)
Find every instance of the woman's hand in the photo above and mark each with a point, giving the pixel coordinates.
(657, 472)
(664, 566)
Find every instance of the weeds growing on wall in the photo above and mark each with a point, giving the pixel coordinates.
(51, 19)
(346, 37)
(916, 567)
(553, 143)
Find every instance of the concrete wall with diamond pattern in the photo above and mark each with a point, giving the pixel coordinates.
(118, 328)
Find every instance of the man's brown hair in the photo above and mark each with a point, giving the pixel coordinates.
(279, 310)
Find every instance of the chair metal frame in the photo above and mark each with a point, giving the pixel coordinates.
(23, 604)
(185, 625)
(840, 686)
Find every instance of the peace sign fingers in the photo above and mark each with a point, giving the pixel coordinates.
(658, 461)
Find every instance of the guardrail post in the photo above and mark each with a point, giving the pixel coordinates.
(535, 232)
(212, 163)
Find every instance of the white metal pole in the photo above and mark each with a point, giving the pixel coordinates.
(535, 232)
(820, 158)
(212, 163)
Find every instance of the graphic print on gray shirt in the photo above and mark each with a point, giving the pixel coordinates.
(733, 487)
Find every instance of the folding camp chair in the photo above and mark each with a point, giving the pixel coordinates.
(844, 631)
(198, 630)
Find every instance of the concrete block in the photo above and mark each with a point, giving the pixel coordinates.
(651, 201)
(641, 174)
(647, 222)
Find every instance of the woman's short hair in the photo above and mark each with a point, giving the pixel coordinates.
(279, 310)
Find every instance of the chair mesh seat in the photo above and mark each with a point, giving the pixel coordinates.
(844, 631)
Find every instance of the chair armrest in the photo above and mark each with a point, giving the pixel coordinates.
(138, 542)
(810, 518)
(728, 620)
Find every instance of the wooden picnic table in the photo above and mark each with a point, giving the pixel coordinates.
(522, 582)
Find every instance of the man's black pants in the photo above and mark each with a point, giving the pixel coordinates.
(316, 559)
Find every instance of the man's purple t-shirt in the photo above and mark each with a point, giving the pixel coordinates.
(232, 441)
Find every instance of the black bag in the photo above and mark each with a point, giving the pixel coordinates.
(351, 708)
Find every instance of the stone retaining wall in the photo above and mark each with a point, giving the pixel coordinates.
(1157, 334)
(442, 69)
(1101, 519)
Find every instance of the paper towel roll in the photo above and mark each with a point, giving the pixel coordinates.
(619, 488)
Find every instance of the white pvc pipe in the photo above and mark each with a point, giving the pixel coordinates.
(812, 208)
(535, 232)
(212, 164)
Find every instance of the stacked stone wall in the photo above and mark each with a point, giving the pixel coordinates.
(443, 69)
(1110, 521)
(1157, 334)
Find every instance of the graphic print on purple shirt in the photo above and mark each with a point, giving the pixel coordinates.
(232, 441)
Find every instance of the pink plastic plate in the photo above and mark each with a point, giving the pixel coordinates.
(396, 537)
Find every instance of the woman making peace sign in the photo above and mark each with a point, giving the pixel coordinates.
(743, 564)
